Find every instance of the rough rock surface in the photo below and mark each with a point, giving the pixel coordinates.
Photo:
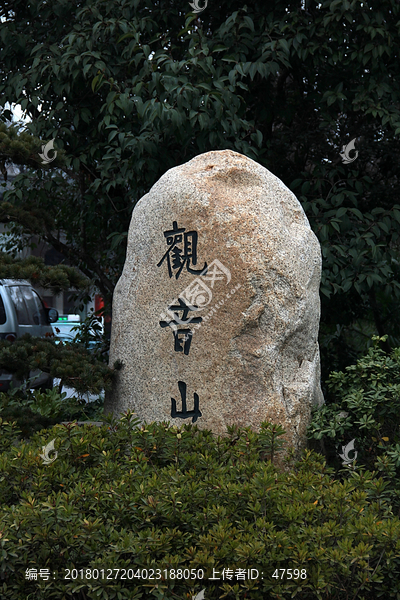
(254, 356)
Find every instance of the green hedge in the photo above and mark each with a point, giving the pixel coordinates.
(122, 496)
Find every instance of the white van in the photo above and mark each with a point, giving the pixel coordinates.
(22, 311)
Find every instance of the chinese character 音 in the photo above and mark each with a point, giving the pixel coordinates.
(177, 332)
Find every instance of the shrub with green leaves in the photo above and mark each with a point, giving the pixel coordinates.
(363, 403)
(90, 334)
(32, 410)
(162, 498)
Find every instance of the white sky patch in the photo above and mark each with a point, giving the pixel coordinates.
(18, 114)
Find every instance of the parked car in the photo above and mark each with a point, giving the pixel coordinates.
(64, 331)
(23, 311)
(65, 325)
(64, 338)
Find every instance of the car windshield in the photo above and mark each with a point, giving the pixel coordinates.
(28, 305)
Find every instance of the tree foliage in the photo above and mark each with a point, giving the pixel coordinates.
(130, 89)
(56, 279)
(72, 363)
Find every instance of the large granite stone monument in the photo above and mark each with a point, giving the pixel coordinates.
(216, 314)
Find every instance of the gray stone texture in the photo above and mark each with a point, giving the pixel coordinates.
(256, 357)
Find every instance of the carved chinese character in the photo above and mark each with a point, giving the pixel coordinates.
(174, 237)
(182, 306)
(184, 413)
